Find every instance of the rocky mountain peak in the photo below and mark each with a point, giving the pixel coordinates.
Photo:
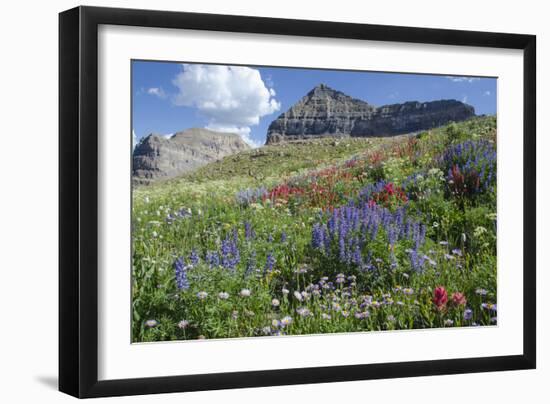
(322, 90)
(158, 156)
(324, 111)
(325, 93)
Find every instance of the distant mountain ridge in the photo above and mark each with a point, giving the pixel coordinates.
(159, 156)
(328, 112)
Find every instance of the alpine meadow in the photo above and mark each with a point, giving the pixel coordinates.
(336, 216)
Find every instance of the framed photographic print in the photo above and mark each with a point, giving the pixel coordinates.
(251, 201)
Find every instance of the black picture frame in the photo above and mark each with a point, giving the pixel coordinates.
(78, 200)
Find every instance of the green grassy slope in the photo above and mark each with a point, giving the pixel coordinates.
(200, 214)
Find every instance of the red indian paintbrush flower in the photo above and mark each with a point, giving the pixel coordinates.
(440, 297)
(459, 299)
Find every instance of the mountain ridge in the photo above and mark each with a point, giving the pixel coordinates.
(324, 111)
(158, 156)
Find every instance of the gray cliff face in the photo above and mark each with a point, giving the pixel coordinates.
(322, 112)
(161, 157)
(327, 112)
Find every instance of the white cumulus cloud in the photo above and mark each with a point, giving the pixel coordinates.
(156, 91)
(231, 98)
(134, 139)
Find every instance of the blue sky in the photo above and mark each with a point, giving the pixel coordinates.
(169, 97)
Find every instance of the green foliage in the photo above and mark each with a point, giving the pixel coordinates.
(455, 133)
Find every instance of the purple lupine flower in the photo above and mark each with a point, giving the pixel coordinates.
(213, 259)
(317, 236)
(248, 232)
(350, 228)
(226, 253)
(180, 270)
(269, 263)
(230, 254)
(375, 224)
(417, 261)
(283, 237)
(473, 158)
(418, 234)
(342, 249)
(392, 233)
(194, 257)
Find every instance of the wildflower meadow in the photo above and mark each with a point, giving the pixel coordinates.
(324, 236)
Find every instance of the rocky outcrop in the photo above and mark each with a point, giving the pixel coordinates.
(412, 116)
(159, 156)
(327, 112)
